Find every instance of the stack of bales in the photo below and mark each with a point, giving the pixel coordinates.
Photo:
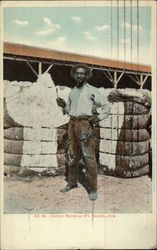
(32, 148)
(124, 137)
(33, 131)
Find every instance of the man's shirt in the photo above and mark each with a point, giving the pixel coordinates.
(82, 100)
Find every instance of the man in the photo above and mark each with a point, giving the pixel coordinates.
(82, 105)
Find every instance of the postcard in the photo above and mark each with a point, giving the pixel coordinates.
(78, 124)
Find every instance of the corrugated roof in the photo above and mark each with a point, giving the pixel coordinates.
(21, 50)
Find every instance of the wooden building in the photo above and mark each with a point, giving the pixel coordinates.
(24, 63)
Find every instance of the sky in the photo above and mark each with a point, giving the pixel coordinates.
(83, 30)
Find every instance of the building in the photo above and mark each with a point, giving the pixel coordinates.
(24, 63)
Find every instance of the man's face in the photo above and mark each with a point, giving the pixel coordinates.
(80, 77)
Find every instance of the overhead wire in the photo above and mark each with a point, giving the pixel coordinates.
(138, 32)
(111, 34)
(124, 33)
(117, 29)
(131, 47)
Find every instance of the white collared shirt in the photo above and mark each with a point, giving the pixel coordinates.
(82, 100)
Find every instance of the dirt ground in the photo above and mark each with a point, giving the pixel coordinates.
(40, 194)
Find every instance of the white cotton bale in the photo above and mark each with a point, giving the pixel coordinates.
(105, 91)
(117, 108)
(8, 84)
(107, 160)
(49, 147)
(31, 147)
(108, 146)
(49, 134)
(135, 92)
(109, 133)
(112, 121)
(38, 133)
(34, 105)
(41, 169)
(45, 80)
(35, 147)
(39, 161)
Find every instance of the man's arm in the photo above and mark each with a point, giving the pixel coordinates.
(65, 106)
(66, 109)
(103, 106)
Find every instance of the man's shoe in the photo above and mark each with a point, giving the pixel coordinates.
(68, 188)
(92, 195)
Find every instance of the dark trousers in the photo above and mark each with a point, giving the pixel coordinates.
(81, 147)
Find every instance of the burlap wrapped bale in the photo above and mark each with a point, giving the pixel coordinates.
(12, 159)
(117, 121)
(13, 147)
(124, 148)
(132, 162)
(133, 108)
(132, 148)
(14, 133)
(9, 121)
(29, 147)
(122, 172)
(124, 143)
(126, 162)
(11, 170)
(124, 134)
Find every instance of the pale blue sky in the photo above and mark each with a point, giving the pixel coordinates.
(81, 30)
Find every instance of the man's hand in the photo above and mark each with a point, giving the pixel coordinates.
(61, 103)
(94, 119)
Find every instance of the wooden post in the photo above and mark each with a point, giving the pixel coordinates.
(141, 81)
(40, 68)
(32, 68)
(115, 79)
(49, 68)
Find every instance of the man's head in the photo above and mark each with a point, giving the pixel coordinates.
(81, 73)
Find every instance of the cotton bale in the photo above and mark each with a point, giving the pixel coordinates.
(124, 138)
(124, 134)
(33, 107)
